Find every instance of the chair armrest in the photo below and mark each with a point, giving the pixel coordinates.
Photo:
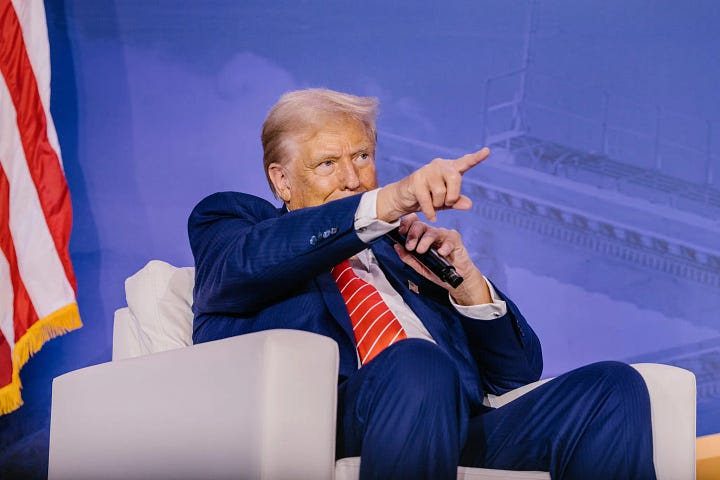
(254, 406)
(672, 407)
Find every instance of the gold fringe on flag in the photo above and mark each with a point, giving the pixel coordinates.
(60, 322)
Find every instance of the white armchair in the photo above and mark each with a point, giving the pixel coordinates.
(253, 406)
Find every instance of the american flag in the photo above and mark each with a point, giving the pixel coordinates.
(37, 283)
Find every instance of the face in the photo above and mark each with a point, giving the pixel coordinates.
(337, 161)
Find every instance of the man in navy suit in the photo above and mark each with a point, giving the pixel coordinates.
(411, 407)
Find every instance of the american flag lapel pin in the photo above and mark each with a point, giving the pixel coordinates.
(413, 288)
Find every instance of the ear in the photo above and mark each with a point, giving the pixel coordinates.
(279, 177)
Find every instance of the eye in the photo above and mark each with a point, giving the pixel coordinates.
(326, 167)
(363, 158)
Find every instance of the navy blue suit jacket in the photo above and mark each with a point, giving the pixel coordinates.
(259, 268)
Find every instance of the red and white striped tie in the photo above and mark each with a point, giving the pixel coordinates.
(374, 325)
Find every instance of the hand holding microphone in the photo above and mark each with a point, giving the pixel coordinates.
(432, 260)
(435, 186)
(444, 260)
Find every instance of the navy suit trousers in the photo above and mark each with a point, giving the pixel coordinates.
(404, 414)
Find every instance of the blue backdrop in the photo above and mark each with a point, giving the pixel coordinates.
(600, 204)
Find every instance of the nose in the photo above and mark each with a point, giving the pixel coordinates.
(349, 177)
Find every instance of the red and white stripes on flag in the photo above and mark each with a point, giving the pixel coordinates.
(37, 284)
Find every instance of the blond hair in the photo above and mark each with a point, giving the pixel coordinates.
(301, 112)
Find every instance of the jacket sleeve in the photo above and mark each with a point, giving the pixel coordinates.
(506, 350)
(248, 255)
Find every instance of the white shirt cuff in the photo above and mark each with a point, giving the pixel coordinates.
(367, 225)
(486, 311)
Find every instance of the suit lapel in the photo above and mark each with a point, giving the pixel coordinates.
(414, 289)
(438, 317)
(335, 303)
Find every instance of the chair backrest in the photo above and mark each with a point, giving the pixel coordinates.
(159, 315)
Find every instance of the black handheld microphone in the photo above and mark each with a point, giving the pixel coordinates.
(432, 260)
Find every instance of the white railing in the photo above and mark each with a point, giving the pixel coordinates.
(524, 102)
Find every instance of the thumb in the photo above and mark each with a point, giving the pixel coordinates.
(463, 203)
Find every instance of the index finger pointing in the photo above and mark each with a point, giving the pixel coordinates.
(466, 162)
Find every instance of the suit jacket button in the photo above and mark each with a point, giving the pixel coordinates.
(313, 240)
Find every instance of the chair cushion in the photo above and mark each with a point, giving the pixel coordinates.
(159, 297)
